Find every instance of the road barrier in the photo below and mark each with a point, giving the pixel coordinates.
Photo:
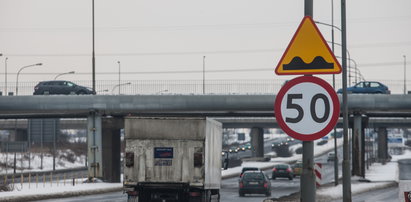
(46, 179)
(317, 169)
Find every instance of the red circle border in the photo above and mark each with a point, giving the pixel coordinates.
(329, 126)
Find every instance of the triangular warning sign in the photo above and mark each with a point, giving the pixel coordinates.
(308, 53)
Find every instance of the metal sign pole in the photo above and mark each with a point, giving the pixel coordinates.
(307, 183)
(346, 149)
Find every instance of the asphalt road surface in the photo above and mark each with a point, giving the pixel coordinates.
(229, 187)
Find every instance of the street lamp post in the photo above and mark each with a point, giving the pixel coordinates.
(357, 71)
(18, 73)
(5, 76)
(93, 59)
(204, 74)
(119, 76)
(405, 75)
(58, 75)
(118, 85)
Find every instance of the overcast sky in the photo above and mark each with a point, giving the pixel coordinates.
(243, 39)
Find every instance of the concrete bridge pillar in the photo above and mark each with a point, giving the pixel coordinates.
(382, 144)
(111, 146)
(358, 147)
(94, 145)
(103, 139)
(257, 141)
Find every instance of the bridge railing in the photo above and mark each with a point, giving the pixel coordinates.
(150, 87)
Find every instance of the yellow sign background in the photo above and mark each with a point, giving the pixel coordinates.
(308, 43)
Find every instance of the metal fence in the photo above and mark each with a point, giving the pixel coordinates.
(145, 87)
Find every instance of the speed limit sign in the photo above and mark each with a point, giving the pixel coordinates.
(307, 108)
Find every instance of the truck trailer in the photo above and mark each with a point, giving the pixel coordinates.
(172, 159)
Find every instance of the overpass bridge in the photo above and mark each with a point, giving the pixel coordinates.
(66, 106)
(104, 115)
(228, 122)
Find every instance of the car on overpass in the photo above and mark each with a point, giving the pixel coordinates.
(368, 87)
(61, 87)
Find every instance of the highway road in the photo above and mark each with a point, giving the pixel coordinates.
(229, 187)
(267, 147)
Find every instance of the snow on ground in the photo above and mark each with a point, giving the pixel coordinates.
(65, 159)
(335, 192)
(380, 176)
(47, 189)
(381, 173)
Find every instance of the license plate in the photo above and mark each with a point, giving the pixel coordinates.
(253, 182)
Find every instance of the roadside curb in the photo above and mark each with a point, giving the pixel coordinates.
(324, 197)
(67, 194)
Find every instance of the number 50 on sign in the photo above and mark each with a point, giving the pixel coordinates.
(307, 108)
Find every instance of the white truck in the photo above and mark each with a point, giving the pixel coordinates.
(172, 159)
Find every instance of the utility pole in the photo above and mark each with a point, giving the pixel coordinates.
(335, 130)
(93, 60)
(307, 183)
(119, 80)
(204, 74)
(405, 74)
(346, 148)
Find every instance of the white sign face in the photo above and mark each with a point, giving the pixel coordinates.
(307, 108)
(315, 103)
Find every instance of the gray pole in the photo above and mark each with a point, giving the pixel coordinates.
(41, 142)
(5, 76)
(94, 145)
(203, 74)
(93, 57)
(29, 141)
(307, 183)
(54, 144)
(346, 149)
(118, 77)
(405, 75)
(7, 155)
(335, 130)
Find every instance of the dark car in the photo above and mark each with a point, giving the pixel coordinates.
(61, 87)
(248, 169)
(282, 170)
(254, 182)
(368, 87)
